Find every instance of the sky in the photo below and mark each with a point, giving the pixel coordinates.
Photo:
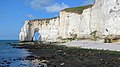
(13, 13)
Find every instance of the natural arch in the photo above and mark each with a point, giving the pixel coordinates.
(37, 36)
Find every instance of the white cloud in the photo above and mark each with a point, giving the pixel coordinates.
(56, 7)
(46, 5)
(39, 4)
(87, 2)
(30, 16)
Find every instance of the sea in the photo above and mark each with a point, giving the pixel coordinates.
(14, 57)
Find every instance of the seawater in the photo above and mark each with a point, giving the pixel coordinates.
(13, 57)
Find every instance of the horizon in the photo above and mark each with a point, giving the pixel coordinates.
(13, 13)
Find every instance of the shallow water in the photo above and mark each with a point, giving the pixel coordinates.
(14, 57)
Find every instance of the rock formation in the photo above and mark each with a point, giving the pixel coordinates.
(103, 17)
(47, 28)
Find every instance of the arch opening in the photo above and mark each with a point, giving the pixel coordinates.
(37, 36)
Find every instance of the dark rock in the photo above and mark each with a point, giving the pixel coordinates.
(9, 62)
(30, 57)
(4, 60)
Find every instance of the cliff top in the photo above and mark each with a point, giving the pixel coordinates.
(44, 19)
(78, 10)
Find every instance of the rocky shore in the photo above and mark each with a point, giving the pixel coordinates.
(61, 56)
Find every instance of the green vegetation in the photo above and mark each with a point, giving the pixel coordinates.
(78, 10)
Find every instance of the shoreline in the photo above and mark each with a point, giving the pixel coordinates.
(55, 55)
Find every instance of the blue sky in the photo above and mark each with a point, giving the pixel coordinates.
(13, 13)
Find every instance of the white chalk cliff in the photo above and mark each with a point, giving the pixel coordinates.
(103, 16)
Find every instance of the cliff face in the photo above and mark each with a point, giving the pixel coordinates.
(103, 17)
(47, 28)
(106, 17)
(74, 23)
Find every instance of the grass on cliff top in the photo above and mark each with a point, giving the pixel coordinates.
(78, 10)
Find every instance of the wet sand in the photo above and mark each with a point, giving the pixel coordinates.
(61, 56)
